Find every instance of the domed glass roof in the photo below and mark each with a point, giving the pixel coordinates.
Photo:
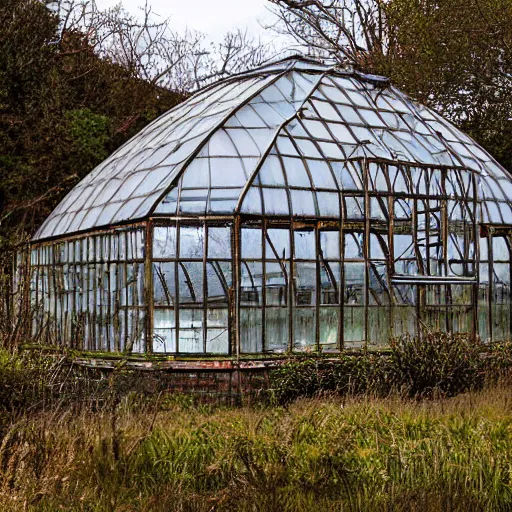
(283, 139)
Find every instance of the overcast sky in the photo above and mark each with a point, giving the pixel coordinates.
(213, 17)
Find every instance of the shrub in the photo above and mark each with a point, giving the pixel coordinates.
(438, 362)
(344, 375)
(435, 363)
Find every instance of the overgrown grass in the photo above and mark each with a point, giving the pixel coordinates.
(331, 454)
(440, 439)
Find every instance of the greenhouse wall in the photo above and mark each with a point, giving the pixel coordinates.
(392, 263)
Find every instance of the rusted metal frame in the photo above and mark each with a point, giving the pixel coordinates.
(291, 285)
(149, 287)
(177, 286)
(54, 295)
(118, 280)
(476, 234)
(117, 227)
(264, 284)
(389, 248)
(73, 295)
(133, 313)
(204, 291)
(490, 257)
(37, 313)
(101, 283)
(428, 184)
(108, 241)
(460, 200)
(414, 231)
(126, 292)
(91, 304)
(202, 144)
(77, 279)
(341, 323)
(476, 255)
(289, 289)
(445, 241)
(93, 265)
(317, 209)
(366, 249)
(509, 245)
(341, 294)
(318, 290)
(160, 219)
(234, 314)
(391, 253)
(273, 141)
(85, 293)
(64, 295)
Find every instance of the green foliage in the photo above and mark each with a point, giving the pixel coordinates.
(435, 363)
(454, 55)
(89, 135)
(63, 109)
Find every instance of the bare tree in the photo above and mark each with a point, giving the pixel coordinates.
(150, 49)
(345, 30)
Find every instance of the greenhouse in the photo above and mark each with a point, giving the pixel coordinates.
(295, 207)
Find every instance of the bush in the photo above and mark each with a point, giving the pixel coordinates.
(438, 362)
(310, 377)
(435, 363)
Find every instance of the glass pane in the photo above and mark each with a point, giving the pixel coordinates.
(276, 201)
(378, 326)
(330, 283)
(217, 336)
(190, 275)
(251, 330)
(278, 244)
(252, 243)
(164, 289)
(353, 245)
(354, 275)
(218, 276)
(277, 322)
(276, 284)
(303, 202)
(164, 331)
(219, 242)
(329, 327)
(251, 283)
(305, 284)
(191, 242)
(304, 327)
(191, 331)
(353, 326)
(305, 244)
(330, 244)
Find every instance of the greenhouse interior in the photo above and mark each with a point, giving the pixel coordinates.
(295, 207)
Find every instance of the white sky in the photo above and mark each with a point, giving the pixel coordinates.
(213, 17)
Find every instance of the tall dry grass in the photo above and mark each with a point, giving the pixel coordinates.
(360, 453)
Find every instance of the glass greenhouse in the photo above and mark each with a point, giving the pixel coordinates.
(295, 207)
